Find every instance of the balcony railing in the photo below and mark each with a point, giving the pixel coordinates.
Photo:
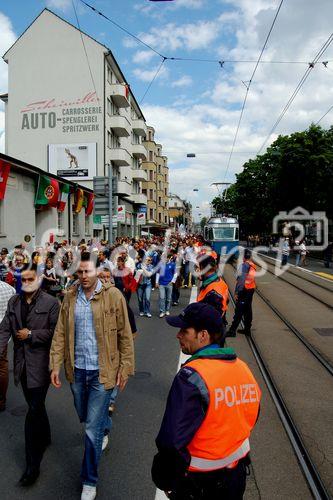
(119, 95)
(139, 151)
(120, 157)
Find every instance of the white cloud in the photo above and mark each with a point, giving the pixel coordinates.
(208, 128)
(63, 5)
(190, 36)
(184, 81)
(146, 75)
(143, 56)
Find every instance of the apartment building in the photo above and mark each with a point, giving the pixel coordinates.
(70, 111)
(180, 212)
(156, 188)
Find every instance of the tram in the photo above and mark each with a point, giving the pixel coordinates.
(222, 233)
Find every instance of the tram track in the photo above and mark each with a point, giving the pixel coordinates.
(321, 358)
(311, 278)
(301, 288)
(309, 469)
(307, 465)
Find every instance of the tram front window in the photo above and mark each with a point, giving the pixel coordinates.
(224, 233)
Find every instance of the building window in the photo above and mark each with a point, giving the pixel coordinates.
(160, 201)
(109, 73)
(114, 109)
(109, 139)
(87, 226)
(109, 106)
(144, 191)
(114, 141)
(60, 223)
(76, 224)
(150, 156)
(149, 135)
(151, 194)
(151, 175)
(166, 191)
(166, 219)
(151, 214)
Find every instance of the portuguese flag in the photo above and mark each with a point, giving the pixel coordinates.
(47, 192)
(63, 197)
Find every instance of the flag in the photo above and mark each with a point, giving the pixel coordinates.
(63, 196)
(4, 173)
(79, 199)
(47, 192)
(89, 204)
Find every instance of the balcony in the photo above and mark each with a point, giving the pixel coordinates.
(120, 126)
(139, 151)
(139, 175)
(122, 188)
(119, 95)
(139, 198)
(120, 157)
(139, 127)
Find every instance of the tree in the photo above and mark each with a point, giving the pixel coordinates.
(296, 170)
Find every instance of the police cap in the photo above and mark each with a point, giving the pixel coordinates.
(200, 316)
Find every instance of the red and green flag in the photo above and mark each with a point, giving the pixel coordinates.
(47, 192)
(63, 197)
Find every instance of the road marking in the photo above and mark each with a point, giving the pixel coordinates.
(160, 495)
(326, 275)
(323, 276)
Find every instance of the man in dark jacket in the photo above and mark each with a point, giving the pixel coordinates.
(30, 320)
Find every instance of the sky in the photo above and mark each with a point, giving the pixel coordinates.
(195, 106)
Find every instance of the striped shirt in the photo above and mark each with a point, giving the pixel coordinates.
(86, 350)
(6, 292)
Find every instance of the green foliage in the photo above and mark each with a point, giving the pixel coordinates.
(296, 170)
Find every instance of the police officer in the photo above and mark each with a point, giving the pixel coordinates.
(212, 407)
(213, 290)
(245, 286)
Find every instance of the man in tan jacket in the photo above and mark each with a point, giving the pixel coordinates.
(94, 340)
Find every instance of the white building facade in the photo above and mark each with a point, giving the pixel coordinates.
(70, 112)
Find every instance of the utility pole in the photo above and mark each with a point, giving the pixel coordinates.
(110, 172)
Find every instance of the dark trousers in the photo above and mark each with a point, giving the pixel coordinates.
(3, 380)
(225, 484)
(243, 310)
(175, 293)
(37, 426)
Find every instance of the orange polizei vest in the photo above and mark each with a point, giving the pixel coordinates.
(221, 288)
(250, 281)
(234, 399)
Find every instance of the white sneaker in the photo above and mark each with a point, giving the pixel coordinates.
(88, 492)
(162, 315)
(167, 313)
(148, 315)
(141, 314)
(105, 442)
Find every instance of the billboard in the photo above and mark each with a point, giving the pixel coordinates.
(141, 218)
(73, 161)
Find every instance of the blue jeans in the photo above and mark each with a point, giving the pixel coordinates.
(165, 297)
(91, 401)
(298, 258)
(144, 293)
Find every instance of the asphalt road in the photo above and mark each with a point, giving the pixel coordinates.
(125, 465)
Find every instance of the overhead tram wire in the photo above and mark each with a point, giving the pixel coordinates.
(190, 59)
(152, 80)
(297, 89)
(248, 87)
(85, 50)
(330, 109)
(122, 28)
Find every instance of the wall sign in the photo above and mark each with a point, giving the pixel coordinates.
(73, 161)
